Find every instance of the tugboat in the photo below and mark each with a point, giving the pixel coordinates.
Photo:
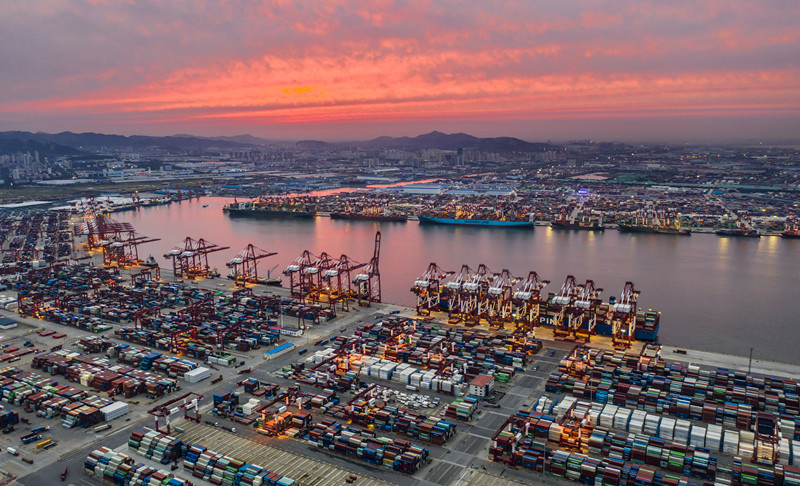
(150, 262)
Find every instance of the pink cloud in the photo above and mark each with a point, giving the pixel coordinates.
(343, 61)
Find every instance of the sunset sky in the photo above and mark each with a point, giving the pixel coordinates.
(332, 70)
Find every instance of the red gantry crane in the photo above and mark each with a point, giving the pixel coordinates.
(369, 282)
(188, 403)
(190, 257)
(244, 266)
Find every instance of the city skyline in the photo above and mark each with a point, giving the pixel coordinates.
(340, 70)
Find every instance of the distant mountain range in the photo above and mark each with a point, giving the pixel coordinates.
(69, 143)
(435, 139)
(89, 142)
(45, 149)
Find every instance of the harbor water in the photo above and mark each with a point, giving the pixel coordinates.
(716, 294)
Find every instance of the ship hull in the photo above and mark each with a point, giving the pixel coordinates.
(630, 228)
(739, 233)
(265, 213)
(366, 217)
(789, 235)
(575, 226)
(475, 222)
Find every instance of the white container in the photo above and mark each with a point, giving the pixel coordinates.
(197, 374)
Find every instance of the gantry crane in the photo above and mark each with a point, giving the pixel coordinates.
(451, 293)
(526, 301)
(498, 297)
(427, 289)
(585, 311)
(190, 257)
(369, 281)
(473, 294)
(244, 266)
(561, 305)
(188, 402)
(623, 317)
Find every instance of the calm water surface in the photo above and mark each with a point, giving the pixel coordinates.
(717, 294)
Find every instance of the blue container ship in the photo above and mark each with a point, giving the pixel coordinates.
(475, 222)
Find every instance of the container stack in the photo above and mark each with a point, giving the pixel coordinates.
(117, 468)
(462, 409)
(398, 454)
(155, 445)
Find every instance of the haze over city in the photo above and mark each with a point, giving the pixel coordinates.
(350, 70)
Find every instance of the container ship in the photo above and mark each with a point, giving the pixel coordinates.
(270, 209)
(475, 217)
(369, 213)
(582, 224)
(652, 221)
(740, 227)
(475, 222)
(792, 229)
(739, 232)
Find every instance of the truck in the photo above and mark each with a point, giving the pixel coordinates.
(30, 438)
(39, 429)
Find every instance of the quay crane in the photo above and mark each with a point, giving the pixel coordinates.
(623, 318)
(498, 298)
(451, 292)
(190, 257)
(561, 305)
(526, 301)
(474, 293)
(585, 311)
(369, 282)
(427, 289)
(244, 266)
(328, 280)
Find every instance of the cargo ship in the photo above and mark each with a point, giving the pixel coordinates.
(653, 221)
(366, 216)
(792, 229)
(476, 222)
(274, 209)
(585, 225)
(663, 230)
(739, 232)
(740, 226)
